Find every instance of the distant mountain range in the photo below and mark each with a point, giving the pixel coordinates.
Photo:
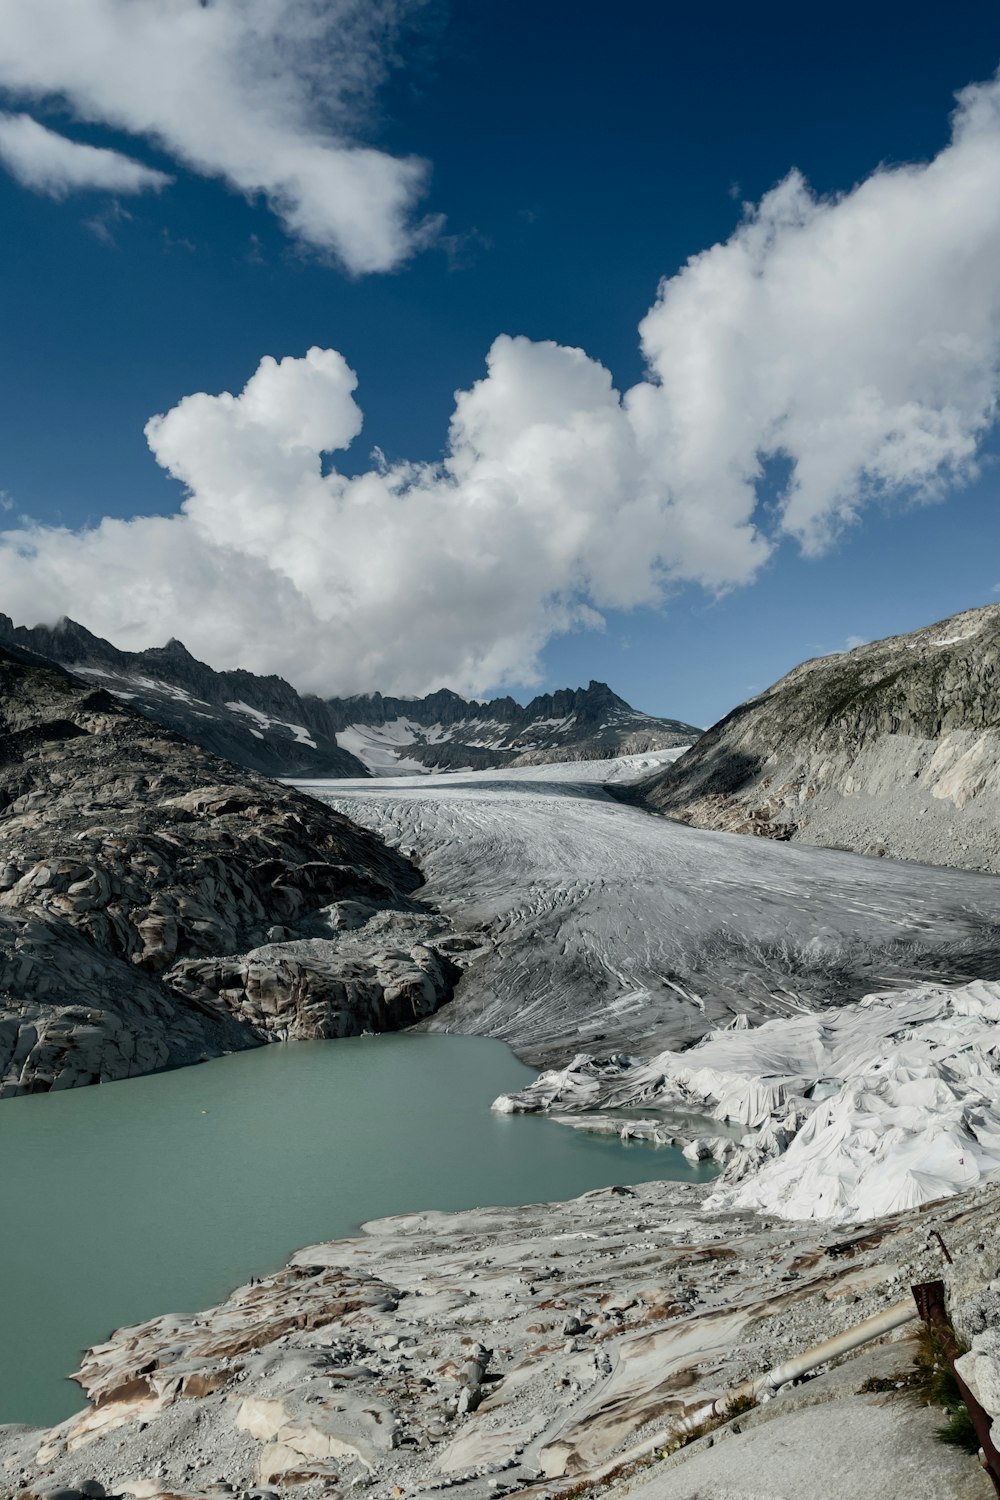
(263, 724)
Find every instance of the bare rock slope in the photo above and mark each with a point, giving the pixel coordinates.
(258, 722)
(507, 1350)
(158, 905)
(893, 748)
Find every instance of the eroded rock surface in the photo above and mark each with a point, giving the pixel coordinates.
(890, 749)
(158, 905)
(483, 1352)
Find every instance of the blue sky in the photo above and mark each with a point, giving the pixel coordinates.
(577, 154)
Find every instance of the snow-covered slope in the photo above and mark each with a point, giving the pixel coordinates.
(601, 925)
(262, 723)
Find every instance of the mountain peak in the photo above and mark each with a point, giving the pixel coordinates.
(174, 648)
(65, 627)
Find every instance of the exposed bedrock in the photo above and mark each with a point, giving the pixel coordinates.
(890, 749)
(500, 1350)
(315, 987)
(158, 905)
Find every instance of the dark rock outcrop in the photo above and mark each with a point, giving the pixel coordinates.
(890, 749)
(134, 867)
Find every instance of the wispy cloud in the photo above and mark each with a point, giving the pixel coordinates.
(47, 162)
(267, 95)
(105, 225)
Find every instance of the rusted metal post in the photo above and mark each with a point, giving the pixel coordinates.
(944, 1247)
(929, 1297)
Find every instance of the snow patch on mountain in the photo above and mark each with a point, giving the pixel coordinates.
(478, 736)
(379, 747)
(382, 747)
(299, 732)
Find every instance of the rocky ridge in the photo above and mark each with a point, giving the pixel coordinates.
(158, 906)
(259, 723)
(263, 724)
(446, 732)
(890, 749)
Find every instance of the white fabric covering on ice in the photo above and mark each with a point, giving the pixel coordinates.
(853, 1113)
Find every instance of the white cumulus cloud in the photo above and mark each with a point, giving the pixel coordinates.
(858, 337)
(264, 94)
(855, 339)
(50, 163)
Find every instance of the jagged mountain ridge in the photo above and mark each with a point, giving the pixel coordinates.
(446, 731)
(264, 724)
(890, 749)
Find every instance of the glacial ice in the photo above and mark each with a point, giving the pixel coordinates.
(601, 924)
(625, 937)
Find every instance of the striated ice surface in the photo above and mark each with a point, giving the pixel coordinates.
(689, 973)
(601, 925)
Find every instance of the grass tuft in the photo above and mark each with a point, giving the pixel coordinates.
(737, 1405)
(934, 1384)
(959, 1431)
(734, 1407)
(879, 1384)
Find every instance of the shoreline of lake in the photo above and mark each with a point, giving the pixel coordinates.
(291, 1143)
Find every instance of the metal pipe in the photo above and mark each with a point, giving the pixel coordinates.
(772, 1380)
(862, 1333)
(947, 1253)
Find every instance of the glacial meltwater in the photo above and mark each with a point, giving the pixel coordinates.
(161, 1194)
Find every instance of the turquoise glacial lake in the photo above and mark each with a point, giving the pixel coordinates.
(160, 1194)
